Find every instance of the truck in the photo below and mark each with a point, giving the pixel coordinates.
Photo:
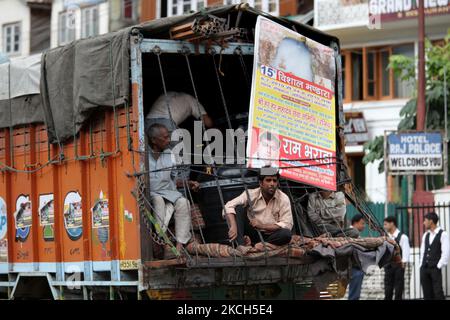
(76, 220)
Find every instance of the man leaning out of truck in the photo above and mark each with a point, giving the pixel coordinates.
(165, 198)
(269, 212)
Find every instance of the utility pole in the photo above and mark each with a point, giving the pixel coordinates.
(420, 118)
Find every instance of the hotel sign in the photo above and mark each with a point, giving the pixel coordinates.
(414, 152)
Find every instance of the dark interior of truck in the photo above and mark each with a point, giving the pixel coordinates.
(222, 84)
(235, 82)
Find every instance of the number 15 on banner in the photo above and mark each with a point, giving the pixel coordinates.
(269, 72)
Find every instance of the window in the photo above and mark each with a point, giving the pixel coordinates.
(161, 6)
(233, 1)
(12, 38)
(370, 77)
(129, 9)
(186, 6)
(273, 6)
(357, 75)
(174, 9)
(179, 7)
(66, 28)
(200, 4)
(366, 75)
(89, 22)
(403, 89)
(270, 6)
(385, 73)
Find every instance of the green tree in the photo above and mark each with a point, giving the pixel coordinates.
(437, 58)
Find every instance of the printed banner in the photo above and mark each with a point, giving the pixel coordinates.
(292, 109)
(415, 151)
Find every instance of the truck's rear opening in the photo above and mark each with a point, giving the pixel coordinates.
(212, 260)
(89, 163)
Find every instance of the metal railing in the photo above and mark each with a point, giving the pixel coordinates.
(410, 220)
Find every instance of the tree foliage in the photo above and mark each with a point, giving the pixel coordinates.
(437, 58)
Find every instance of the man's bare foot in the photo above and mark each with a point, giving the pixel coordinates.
(247, 241)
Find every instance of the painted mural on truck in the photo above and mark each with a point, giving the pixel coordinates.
(73, 215)
(23, 218)
(3, 232)
(47, 216)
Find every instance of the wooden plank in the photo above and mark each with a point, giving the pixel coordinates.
(183, 35)
(198, 39)
(391, 78)
(182, 28)
(365, 74)
(348, 77)
(204, 262)
(165, 263)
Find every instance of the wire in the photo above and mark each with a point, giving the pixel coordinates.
(168, 230)
(228, 167)
(251, 158)
(5, 167)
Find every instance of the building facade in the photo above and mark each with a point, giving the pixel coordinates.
(154, 9)
(76, 19)
(25, 27)
(370, 32)
(36, 25)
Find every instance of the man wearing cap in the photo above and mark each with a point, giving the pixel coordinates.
(268, 211)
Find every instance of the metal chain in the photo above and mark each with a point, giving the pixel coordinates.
(141, 204)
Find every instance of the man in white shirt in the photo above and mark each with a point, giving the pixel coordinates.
(166, 200)
(182, 106)
(394, 274)
(434, 253)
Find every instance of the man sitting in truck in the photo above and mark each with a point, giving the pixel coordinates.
(165, 198)
(326, 210)
(182, 106)
(268, 211)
